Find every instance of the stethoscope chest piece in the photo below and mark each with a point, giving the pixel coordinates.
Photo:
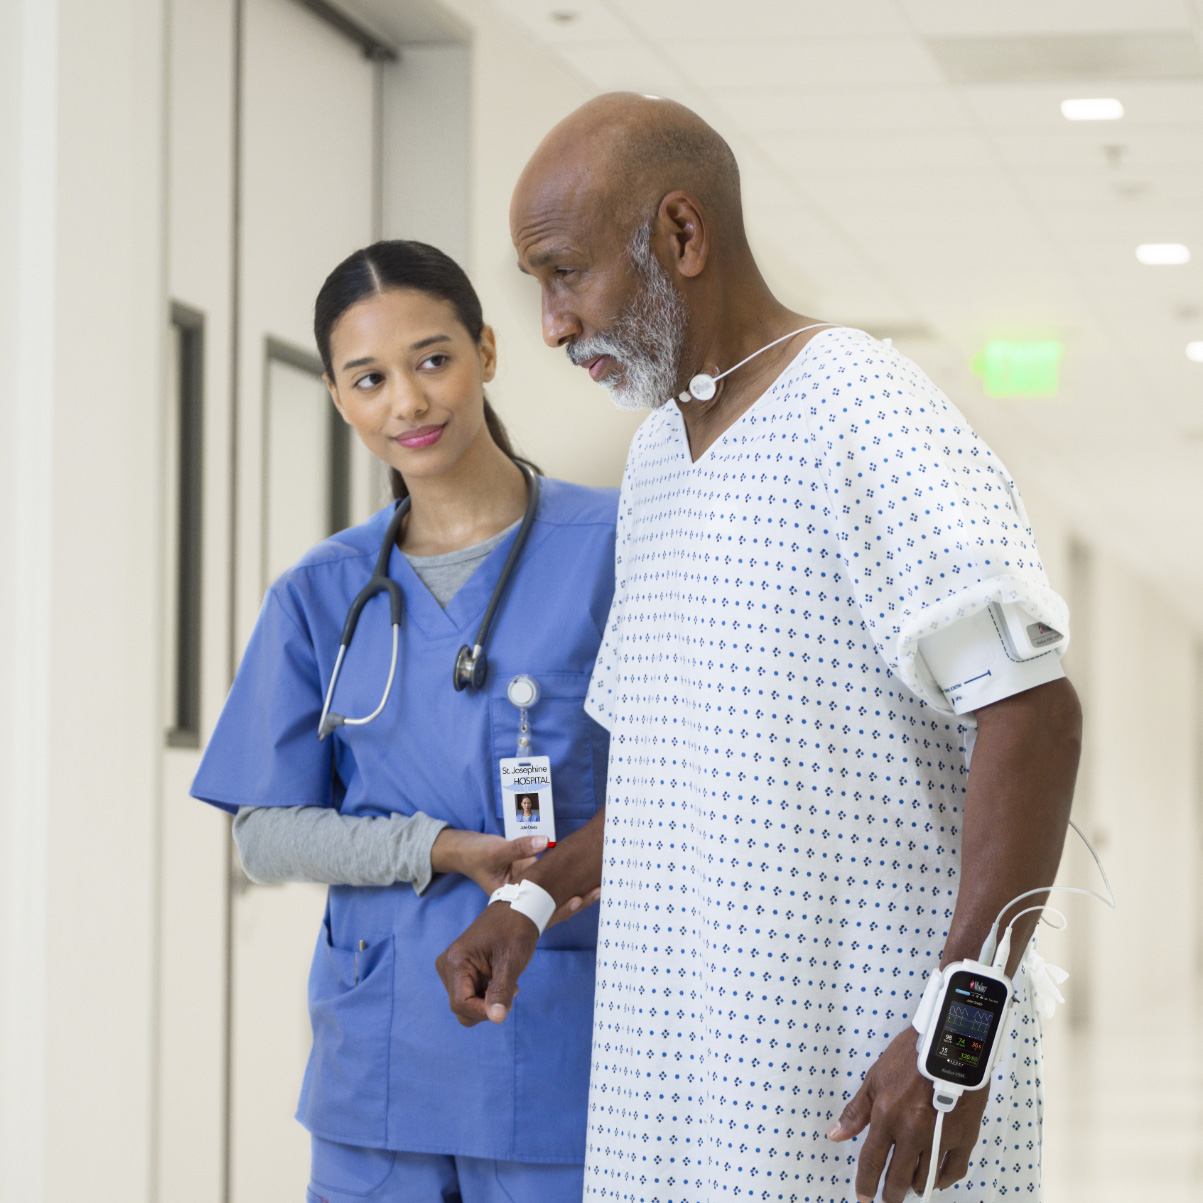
(471, 668)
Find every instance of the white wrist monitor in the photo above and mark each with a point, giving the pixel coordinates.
(527, 899)
(960, 1018)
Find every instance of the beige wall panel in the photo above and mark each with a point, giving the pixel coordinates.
(105, 389)
(1142, 768)
(194, 840)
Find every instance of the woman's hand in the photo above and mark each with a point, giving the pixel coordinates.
(492, 861)
(489, 860)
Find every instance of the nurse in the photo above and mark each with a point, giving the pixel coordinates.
(402, 815)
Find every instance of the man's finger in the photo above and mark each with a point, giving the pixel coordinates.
(854, 1117)
(499, 997)
(901, 1172)
(955, 1167)
(873, 1155)
(463, 986)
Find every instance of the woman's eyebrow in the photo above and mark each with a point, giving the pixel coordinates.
(357, 363)
(426, 342)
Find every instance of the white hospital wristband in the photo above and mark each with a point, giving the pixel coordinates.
(527, 899)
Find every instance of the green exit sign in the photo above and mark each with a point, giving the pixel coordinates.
(1019, 369)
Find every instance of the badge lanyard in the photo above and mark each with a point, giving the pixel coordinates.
(526, 798)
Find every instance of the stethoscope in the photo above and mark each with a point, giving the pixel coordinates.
(471, 663)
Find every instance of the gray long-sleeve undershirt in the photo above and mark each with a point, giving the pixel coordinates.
(314, 843)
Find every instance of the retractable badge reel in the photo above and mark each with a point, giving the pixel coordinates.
(526, 796)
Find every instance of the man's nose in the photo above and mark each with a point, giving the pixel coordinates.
(560, 325)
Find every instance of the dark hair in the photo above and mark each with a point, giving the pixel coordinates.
(403, 264)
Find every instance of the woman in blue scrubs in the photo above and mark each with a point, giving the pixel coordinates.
(402, 816)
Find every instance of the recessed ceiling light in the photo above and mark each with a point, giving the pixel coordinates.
(1092, 110)
(1194, 351)
(1160, 253)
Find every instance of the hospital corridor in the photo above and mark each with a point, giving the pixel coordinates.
(1010, 195)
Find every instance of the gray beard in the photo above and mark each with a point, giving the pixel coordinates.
(645, 339)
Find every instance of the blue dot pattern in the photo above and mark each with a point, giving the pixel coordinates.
(783, 814)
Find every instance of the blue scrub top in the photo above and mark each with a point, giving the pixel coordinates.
(391, 1067)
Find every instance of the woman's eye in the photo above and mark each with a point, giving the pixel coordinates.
(371, 380)
(434, 361)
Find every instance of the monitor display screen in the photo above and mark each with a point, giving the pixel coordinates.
(966, 1029)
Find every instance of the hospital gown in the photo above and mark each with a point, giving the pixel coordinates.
(786, 784)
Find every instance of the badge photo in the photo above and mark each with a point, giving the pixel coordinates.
(526, 798)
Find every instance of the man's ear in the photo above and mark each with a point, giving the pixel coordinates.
(334, 397)
(682, 220)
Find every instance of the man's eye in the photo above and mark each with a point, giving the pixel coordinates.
(563, 272)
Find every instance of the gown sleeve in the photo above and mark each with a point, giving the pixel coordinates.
(929, 524)
(264, 750)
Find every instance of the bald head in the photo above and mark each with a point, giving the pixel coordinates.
(629, 216)
(624, 153)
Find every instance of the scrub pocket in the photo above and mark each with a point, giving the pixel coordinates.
(553, 1046)
(345, 1096)
(563, 732)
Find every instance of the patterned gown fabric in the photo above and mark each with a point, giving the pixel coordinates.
(786, 787)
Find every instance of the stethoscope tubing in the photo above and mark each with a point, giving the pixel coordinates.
(380, 581)
(528, 520)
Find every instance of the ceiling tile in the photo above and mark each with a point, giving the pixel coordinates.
(626, 66)
(769, 19)
(1045, 16)
(807, 64)
(1166, 102)
(568, 21)
(771, 109)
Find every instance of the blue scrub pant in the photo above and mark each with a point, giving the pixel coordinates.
(346, 1174)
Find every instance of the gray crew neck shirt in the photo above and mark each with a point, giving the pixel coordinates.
(445, 575)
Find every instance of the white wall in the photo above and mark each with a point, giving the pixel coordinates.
(28, 68)
(81, 598)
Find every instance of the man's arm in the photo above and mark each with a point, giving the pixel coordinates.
(481, 969)
(1017, 805)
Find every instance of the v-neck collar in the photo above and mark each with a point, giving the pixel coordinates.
(679, 417)
(466, 608)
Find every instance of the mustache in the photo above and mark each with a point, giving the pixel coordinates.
(585, 349)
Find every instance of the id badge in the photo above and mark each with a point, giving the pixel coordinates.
(527, 807)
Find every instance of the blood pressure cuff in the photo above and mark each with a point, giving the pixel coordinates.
(990, 655)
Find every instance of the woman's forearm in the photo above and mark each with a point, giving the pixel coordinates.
(315, 843)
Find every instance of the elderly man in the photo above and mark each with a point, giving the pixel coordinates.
(828, 597)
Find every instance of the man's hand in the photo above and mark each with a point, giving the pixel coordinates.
(895, 1102)
(481, 969)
